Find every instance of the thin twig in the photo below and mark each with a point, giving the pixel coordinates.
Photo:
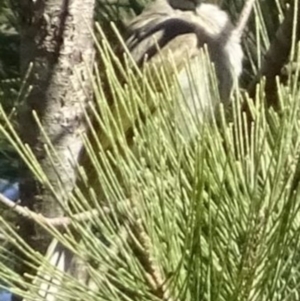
(55, 221)
(244, 17)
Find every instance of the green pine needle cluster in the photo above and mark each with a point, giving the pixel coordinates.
(212, 218)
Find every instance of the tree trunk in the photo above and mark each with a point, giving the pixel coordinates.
(56, 39)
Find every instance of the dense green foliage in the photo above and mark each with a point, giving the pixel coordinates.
(216, 218)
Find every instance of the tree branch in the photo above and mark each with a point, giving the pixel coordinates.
(54, 222)
(277, 54)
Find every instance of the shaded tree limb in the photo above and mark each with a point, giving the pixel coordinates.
(277, 55)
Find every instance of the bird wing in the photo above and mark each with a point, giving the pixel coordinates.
(171, 38)
(196, 85)
(175, 43)
(162, 33)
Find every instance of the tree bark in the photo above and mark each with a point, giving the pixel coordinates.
(56, 38)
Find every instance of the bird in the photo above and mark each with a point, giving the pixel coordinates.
(174, 31)
(177, 31)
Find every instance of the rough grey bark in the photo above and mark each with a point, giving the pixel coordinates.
(56, 39)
